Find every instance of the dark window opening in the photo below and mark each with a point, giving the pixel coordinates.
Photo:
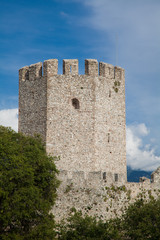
(104, 176)
(109, 93)
(75, 103)
(108, 137)
(27, 75)
(116, 177)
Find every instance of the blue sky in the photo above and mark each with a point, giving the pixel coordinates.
(120, 32)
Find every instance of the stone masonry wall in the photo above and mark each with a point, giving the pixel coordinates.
(96, 197)
(80, 117)
(32, 101)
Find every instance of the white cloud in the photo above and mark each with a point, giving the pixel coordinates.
(139, 129)
(9, 118)
(139, 155)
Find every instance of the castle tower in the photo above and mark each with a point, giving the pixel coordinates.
(80, 117)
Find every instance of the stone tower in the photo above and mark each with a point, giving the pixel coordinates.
(81, 118)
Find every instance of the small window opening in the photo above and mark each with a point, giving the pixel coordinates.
(109, 93)
(108, 137)
(41, 72)
(116, 177)
(75, 103)
(114, 73)
(27, 75)
(70, 69)
(152, 178)
(104, 176)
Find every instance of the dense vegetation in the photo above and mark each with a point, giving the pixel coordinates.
(28, 186)
(141, 221)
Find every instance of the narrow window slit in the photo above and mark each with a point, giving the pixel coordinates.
(104, 176)
(108, 137)
(116, 177)
(27, 75)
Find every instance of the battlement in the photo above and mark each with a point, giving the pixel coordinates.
(95, 178)
(70, 67)
(99, 178)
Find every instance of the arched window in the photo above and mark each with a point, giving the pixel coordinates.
(75, 103)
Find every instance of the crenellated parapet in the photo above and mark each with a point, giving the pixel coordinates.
(30, 72)
(94, 178)
(49, 68)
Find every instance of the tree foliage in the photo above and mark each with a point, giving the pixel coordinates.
(80, 227)
(140, 221)
(28, 186)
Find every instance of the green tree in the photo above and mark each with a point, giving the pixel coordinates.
(28, 185)
(80, 227)
(142, 221)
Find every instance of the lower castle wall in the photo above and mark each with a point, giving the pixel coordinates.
(91, 194)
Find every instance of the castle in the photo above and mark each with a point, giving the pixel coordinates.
(81, 119)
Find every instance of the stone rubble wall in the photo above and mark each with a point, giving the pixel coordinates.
(81, 119)
(96, 197)
(87, 137)
(32, 101)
